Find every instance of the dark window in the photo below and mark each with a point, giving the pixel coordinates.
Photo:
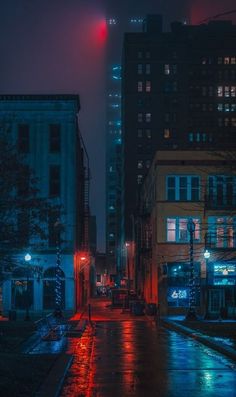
(23, 138)
(54, 138)
(53, 232)
(23, 226)
(22, 295)
(23, 182)
(54, 180)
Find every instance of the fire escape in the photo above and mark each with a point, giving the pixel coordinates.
(85, 245)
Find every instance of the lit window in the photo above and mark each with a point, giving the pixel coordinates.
(226, 91)
(148, 117)
(233, 122)
(139, 179)
(233, 60)
(190, 137)
(140, 68)
(220, 90)
(166, 69)
(233, 91)
(226, 60)
(222, 231)
(148, 68)
(171, 229)
(148, 134)
(140, 117)
(220, 107)
(226, 107)
(140, 86)
(148, 86)
(233, 107)
(177, 229)
(140, 164)
(166, 133)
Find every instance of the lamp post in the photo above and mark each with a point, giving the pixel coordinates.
(191, 314)
(27, 260)
(207, 255)
(127, 245)
(57, 311)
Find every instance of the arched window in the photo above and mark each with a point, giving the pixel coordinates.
(49, 286)
(22, 288)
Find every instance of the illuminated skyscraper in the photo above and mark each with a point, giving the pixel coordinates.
(116, 29)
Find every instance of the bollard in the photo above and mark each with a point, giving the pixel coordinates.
(89, 312)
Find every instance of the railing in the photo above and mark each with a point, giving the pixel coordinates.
(226, 203)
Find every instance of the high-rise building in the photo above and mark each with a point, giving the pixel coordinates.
(178, 92)
(116, 28)
(46, 130)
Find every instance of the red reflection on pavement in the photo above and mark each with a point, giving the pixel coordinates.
(77, 382)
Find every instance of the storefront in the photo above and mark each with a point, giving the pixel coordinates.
(177, 286)
(221, 289)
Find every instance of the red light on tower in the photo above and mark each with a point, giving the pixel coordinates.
(102, 31)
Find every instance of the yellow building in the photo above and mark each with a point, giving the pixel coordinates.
(185, 188)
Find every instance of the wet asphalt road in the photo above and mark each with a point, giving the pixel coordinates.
(129, 357)
(133, 359)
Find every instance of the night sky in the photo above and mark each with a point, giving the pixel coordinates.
(59, 46)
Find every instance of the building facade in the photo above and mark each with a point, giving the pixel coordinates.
(114, 250)
(178, 92)
(183, 187)
(46, 127)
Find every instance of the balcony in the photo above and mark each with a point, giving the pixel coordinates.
(221, 203)
(220, 242)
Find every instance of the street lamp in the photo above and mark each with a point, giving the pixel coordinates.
(27, 301)
(207, 255)
(58, 297)
(191, 314)
(127, 245)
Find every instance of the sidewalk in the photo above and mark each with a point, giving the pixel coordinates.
(219, 335)
(102, 311)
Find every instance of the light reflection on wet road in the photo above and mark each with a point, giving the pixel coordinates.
(132, 358)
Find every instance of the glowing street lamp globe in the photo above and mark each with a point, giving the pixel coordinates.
(207, 254)
(28, 257)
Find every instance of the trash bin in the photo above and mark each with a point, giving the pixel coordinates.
(151, 309)
(223, 312)
(138, 308)
(12, 315)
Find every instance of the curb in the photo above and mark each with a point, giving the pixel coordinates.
(54, 381)
(204, 339)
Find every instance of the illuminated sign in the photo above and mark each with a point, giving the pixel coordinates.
(177, 293)
(226, 269)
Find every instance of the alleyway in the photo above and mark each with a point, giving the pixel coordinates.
(129, 357)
